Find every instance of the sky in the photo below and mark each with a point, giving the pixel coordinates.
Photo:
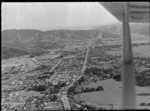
(54, 15)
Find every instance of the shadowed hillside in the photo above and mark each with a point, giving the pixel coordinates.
(11, 52)
(36, 41)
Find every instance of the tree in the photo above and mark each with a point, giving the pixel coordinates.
(148, 104)
(143, 104)
(39, 88)
(53, 98)
(117, 77)
(92, 89)
(99, 88)
(62, 84)
(87, 90)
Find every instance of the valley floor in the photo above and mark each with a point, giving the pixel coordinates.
(75, 78)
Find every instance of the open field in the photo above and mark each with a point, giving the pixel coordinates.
(142, 51)
(139, 51)
(111, 94)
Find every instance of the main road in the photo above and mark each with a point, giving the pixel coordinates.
(64, 93)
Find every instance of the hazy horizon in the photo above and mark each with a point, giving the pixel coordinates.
(53, 16)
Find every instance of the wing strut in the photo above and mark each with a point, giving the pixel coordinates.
(128, 76)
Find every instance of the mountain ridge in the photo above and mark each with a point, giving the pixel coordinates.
(138, 28)
(33, 41)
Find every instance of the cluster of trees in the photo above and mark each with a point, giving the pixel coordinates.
(44, 76)
(102, 73)
(39, 88)
(47, 88)
(117, 77)
(99, 88)
(53, 97)
(72, 89)
(89, 106)
(142, 81)
(93, 70)
(52, 89)
(144, 104)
